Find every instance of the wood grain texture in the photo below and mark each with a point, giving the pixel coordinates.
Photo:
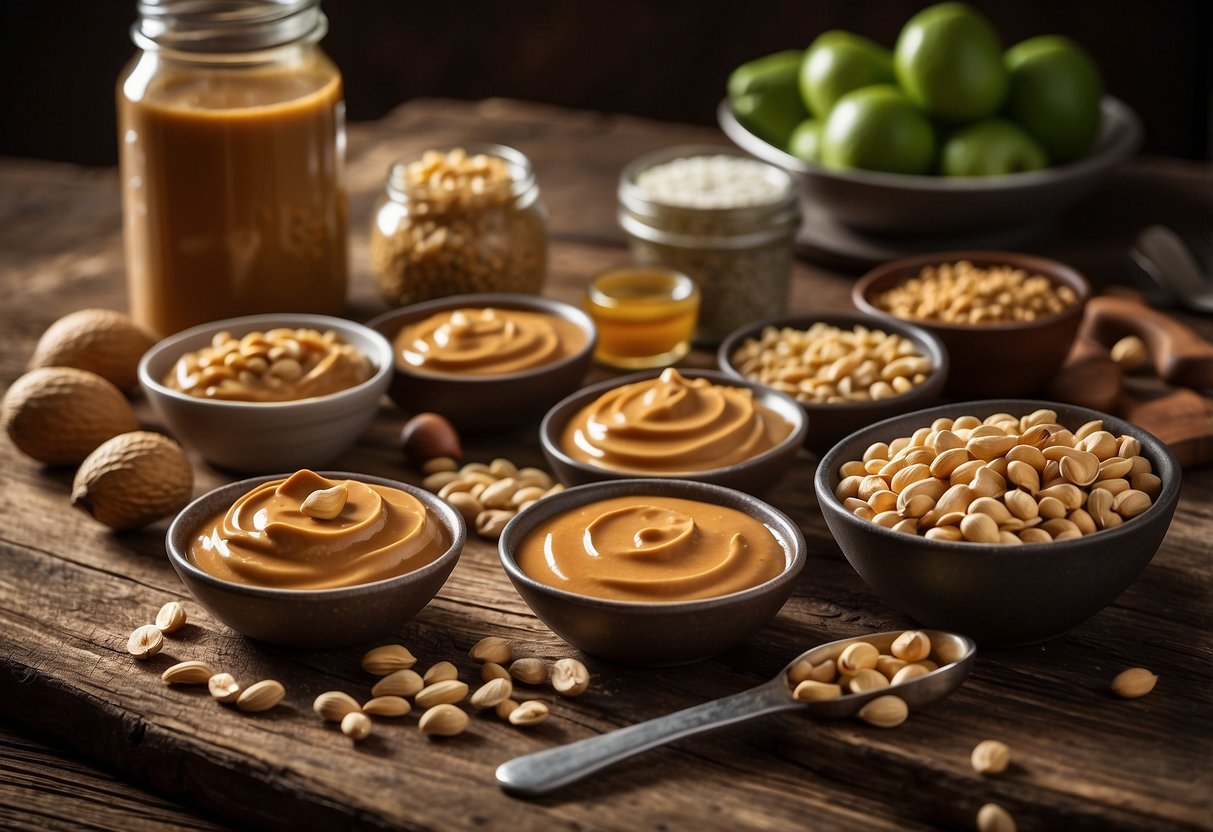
(70, 592)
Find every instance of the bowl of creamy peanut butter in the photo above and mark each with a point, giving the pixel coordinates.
(315, 559)
(653, 571)
(487, 361)
(690, 424)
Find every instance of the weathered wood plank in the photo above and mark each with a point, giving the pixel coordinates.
(70, 592)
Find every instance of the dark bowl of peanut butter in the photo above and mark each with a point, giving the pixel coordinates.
(315, 560)
(651, 571)
(696, 425)
(487, 361)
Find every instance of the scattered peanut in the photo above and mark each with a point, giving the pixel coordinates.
(990, 757)
(356, 725)
(401, 683)
(825, 364)
(1001, 480)
(188, 673)
(993, 818)
(224, 688)
(171, 617)
(145, 641)
(261, 696)
(492, 670)
(492, 649)
(1133, 683)
(443, 720)
(441, 693)
(389, 706)
(505, 708)
(333, 705)
(1130, 353)
(492, 694)
(529, 671)
(570, 677)
(388, 659)
(528, 713)
(440, 672)
(962, 293)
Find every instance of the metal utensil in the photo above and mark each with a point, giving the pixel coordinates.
(546, 771)
(1168, 261)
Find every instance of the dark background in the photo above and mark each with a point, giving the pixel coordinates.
(665, 60)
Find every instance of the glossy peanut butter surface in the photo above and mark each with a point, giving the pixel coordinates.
(486, 342)
(264, 539)
(651, 548)
(671, 425)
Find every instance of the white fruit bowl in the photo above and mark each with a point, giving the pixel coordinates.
(890, 203)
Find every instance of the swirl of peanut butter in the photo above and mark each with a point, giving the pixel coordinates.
(486, 342)
(672, 425)
(348, 533)
(651, 548)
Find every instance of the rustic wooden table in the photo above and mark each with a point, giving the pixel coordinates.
(70, 593)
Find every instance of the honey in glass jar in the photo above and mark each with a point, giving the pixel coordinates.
(645, 316)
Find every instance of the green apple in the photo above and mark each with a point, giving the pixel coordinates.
(877, 128)
(1054, 94)
(993, 147)
(949, 61)
(805, 143)
(838, 62)
(765, 96)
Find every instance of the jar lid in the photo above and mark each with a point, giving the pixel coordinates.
(226, 27)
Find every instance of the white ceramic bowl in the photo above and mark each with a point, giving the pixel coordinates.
(946, 205)
(263, 437)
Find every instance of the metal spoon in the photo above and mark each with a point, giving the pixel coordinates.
(546, 771)
(1166, 258)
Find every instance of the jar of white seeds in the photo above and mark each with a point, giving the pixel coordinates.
(722, 218)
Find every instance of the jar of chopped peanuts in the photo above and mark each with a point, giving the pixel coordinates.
(459, 221)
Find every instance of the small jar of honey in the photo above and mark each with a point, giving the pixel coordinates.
(645, 316)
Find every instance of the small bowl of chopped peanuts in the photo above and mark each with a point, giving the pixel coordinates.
(1008, 520)
(268, 393)
(846, 370)
(1008, 320)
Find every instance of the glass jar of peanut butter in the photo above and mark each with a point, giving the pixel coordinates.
(231, 132)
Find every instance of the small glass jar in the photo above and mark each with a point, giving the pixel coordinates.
(645, 316)
(459, 221)
(231, 128)
(734, 238)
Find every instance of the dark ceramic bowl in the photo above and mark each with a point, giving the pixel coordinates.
(753, 475)
(897, 204)
(256, 437)
(488, 402)
(661, 633)
(1000, 595)
(1010, 359)
(312, 618)
(830, 422)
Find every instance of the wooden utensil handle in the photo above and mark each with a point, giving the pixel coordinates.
(1180, 355)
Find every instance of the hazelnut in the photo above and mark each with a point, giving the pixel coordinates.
(428, 436)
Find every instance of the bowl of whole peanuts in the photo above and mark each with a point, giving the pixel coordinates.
(1009, 520)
